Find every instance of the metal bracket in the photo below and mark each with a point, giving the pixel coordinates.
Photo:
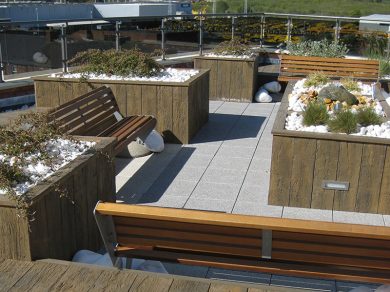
(106, 227)
(266, 244)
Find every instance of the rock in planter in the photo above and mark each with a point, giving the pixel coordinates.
(337, 93)
(262, 96)
(135, 149)
(273, 87)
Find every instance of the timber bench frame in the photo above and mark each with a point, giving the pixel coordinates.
(298, 67)
(95, 114)
(262, 244)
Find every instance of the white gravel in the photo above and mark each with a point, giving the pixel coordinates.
(62, 152)
(167, 75)
(294, 121)
(229, 56)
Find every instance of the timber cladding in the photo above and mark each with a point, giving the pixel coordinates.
(62, 208)
(231, 79)
(301, 161)
(181, 108)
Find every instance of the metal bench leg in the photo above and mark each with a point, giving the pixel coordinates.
(107, 230)
(266, 244)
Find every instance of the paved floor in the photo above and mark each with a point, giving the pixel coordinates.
(226, 168)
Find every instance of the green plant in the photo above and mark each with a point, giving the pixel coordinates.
(367, 116)
(233, 47)
(123, 63)
(322, 48)
(315, 114)
(384, 67)
(350, 84)
(316, 79)
(343, 122)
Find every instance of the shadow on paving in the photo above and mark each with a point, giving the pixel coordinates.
(163, 182)
(223, 127)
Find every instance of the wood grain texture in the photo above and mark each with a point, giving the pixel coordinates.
(325, 169)
(384, 197)
(62, 207)
(149, 98)
(230, 79)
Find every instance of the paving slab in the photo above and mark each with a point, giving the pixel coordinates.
(358, 218)
(238, 276)
(209, 204)
(304, 283)
(307, 214)
(218, 191)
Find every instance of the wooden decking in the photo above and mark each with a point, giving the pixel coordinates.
(51, 275)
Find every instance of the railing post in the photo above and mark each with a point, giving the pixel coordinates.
(388, 44)
(64, 49)
(117, 35)
(201, 35)
(289, 28)
(1, 65)
(337, 29)
(233, 26)
(246, 6)
(262, 30)
(163, 38)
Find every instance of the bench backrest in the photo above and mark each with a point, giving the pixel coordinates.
(89, 114)
(298, 67)
(296, 247)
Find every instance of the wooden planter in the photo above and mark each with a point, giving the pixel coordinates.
(64, 223)
(302, 161)
(181, 108)
(230, 79)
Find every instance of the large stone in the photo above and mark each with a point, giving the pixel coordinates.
(337, 93)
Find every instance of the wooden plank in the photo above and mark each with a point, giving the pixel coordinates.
(149, 101)
(360, 65)
(243, 221)
(384, 197)
(218, 287)
(119, 91)
(77, 278)
(165, 111)
(224, 80)
(371, 170)
(326, 161)
(304, 151)
(151, 283)
(348, 169)
(326, 60)
(11, 271)
(281, 170)
(180, 115)
(65, 92)
(238, 77)
(118, 282)
(179, 285)
(40, 277)
(134, 100)
(40, 94)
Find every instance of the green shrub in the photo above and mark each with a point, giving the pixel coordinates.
(350, 84)
(343, 122)
(315, 114)
(367, 116)
(384, 67)
(233, 47)
(316, 79)
(122, 63)
(322, 48)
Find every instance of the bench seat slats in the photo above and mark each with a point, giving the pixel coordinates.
(265, 266)
(189, 235)
(298, 67)
(93, 114)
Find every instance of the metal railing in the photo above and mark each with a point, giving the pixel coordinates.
(286, 19)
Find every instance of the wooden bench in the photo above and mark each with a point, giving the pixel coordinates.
(95, 114)
(298, 67)
(261, 244)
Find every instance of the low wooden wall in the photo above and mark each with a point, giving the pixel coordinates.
(62, 209)
(181, 108)
(301, 161)
(231, 79)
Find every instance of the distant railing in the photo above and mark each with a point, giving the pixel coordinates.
(195, 30)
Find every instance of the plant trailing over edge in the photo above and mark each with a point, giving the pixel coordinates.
(22, 142)
(316, 79)
(123, 63)
(233, 47)
(367, 116)
(315, 114)
(350, 84)
(343, 122)
(322, 48)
